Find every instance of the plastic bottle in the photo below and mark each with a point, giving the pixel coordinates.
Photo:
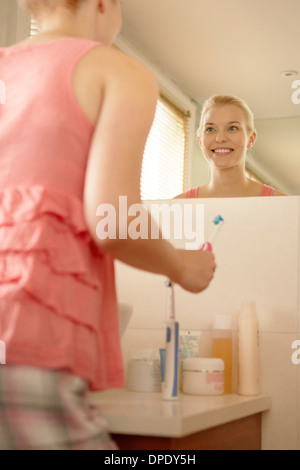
(222, 346)
(189, 347)
(248, 350)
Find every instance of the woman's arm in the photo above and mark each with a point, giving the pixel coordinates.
(129, 101)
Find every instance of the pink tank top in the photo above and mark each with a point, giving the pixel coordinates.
(266, 191)
(58, 306)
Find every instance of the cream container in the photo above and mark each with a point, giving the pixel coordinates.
(144, 372)
(203, 376)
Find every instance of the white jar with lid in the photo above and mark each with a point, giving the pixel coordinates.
(144, 373)
(203, 376)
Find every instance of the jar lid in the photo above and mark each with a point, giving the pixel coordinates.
(203, 364)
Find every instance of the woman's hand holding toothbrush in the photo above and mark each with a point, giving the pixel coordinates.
(197, 270)
(199, 266)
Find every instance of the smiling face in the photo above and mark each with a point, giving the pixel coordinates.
(225, 136)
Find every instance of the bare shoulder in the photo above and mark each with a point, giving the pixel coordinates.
(259, 186)
(105, 71)
(180, 196)
(201, 191)
(279, 193)
(114, 64)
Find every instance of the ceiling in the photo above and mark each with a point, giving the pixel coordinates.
(238, 47)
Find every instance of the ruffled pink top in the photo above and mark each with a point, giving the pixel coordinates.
(58, 306)
(266, 191)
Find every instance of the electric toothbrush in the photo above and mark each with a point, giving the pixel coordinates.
(171, 383)
(207, 246)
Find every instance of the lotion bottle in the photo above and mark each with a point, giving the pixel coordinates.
(222, 346)
(248, 351)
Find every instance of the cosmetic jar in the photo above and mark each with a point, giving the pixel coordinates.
(203, 376)
(144, 372)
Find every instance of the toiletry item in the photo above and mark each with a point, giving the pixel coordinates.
(143, 373)
(162, 353)
(222, 346)
(248, 350)
(189, 347)
(189, 344)
(171, 383)
(203, 376)
(207, 246)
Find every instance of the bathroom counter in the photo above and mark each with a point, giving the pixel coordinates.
(145, 421)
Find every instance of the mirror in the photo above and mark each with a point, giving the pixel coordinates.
(247, 48)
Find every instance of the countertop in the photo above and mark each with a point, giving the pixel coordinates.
(146, 414)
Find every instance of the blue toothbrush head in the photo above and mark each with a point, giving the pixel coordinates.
(218, 219)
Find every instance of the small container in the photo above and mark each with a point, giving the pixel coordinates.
(144, 372)
(189, 344)
(189, 347)
(203, 376)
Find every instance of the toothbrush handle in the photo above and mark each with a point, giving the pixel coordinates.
(206, 246)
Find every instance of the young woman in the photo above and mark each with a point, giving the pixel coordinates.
(225, 134)
(72, 136)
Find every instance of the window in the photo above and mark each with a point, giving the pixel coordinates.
(165, 159)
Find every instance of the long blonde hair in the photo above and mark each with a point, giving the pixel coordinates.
(222, 100)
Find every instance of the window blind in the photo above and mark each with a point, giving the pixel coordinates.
(164, 165)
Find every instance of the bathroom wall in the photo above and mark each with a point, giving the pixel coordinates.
(257, 253)
(275, 152)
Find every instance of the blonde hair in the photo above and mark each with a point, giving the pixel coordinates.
(222, 100)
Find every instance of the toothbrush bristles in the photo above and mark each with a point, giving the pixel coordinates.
(217, 222)
(218, 219)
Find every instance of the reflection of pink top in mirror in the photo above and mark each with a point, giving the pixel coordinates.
(266, 191)
(58, 306)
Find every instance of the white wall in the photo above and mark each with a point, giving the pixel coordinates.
(257, 253)
(275, 155)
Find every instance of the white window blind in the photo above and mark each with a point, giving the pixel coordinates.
(165, 158)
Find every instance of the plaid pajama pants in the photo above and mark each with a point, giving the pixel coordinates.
(48, 410)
